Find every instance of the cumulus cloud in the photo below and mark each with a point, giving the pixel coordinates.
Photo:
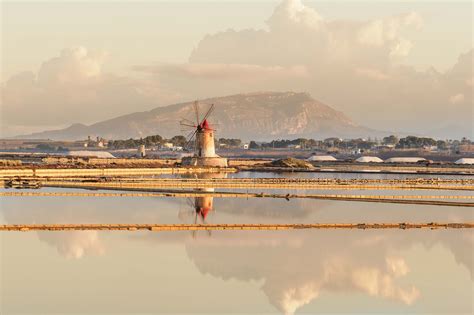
(361, 58)
(354, 66)
(72, 87)
(73, 65)
(298, 33)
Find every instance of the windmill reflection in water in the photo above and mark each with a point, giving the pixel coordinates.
(200, 207)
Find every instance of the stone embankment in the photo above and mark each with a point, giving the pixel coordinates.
(230, 227)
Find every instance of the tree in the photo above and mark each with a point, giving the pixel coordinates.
(179, 141)
(45, 147)
(253, 145)
(412, 142)
(441, 145)
(390, 140)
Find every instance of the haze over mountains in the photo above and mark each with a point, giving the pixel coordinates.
(259, 116)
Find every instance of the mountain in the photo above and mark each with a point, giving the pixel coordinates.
(260, 116)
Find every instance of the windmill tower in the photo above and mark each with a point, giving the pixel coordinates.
(203, 136)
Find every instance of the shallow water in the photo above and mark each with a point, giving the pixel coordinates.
(248, 272)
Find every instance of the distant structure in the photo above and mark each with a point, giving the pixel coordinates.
(405, 160)
(465, 161)
(203, 137)
(141, 151)
(321, 158)
(369, 159)
(98, 154)
(98, 143)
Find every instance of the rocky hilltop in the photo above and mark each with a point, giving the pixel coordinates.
(261, 116)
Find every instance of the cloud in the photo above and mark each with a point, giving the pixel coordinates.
(458, 98)
(72, 87)
(386, 32)
(74, 65)
(299, 34)
(303, 51)
(354, 66)
(372, 74)
(224, 71)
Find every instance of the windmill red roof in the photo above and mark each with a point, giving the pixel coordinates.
(205, 125)
(204, 212)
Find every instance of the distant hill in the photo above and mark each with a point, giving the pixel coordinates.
(260, 116)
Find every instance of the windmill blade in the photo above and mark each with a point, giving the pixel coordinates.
(191, 134)
(190, 138)
(209, 111)
(186, 124)
(196, 111)
(187, 121)
(205, 223)
(195, 221)
(191, 203)
(185, 129)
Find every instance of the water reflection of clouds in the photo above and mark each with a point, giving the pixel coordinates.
(74, 244)
(297, 272)
(77, 244)
(295, 267)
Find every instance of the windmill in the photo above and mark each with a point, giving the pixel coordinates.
(201, 207)
(202, 135)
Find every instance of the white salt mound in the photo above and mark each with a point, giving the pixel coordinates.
(99, 154)
(369, 159)
(405, 160)
(465, 161)
(321, 158)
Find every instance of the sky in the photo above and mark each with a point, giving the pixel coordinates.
(389, 65)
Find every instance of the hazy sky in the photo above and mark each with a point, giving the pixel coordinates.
(66, 62)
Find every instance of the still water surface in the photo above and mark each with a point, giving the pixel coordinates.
(238, 272)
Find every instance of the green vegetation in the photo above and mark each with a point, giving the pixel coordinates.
(231, 143)
(411, 142)
(149, 141)
(334, 144)
(50, 148)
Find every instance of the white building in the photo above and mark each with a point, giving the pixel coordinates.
(167, 145)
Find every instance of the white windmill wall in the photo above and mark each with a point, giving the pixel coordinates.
(205, 144)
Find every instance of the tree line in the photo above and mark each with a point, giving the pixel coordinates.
(409, 142)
